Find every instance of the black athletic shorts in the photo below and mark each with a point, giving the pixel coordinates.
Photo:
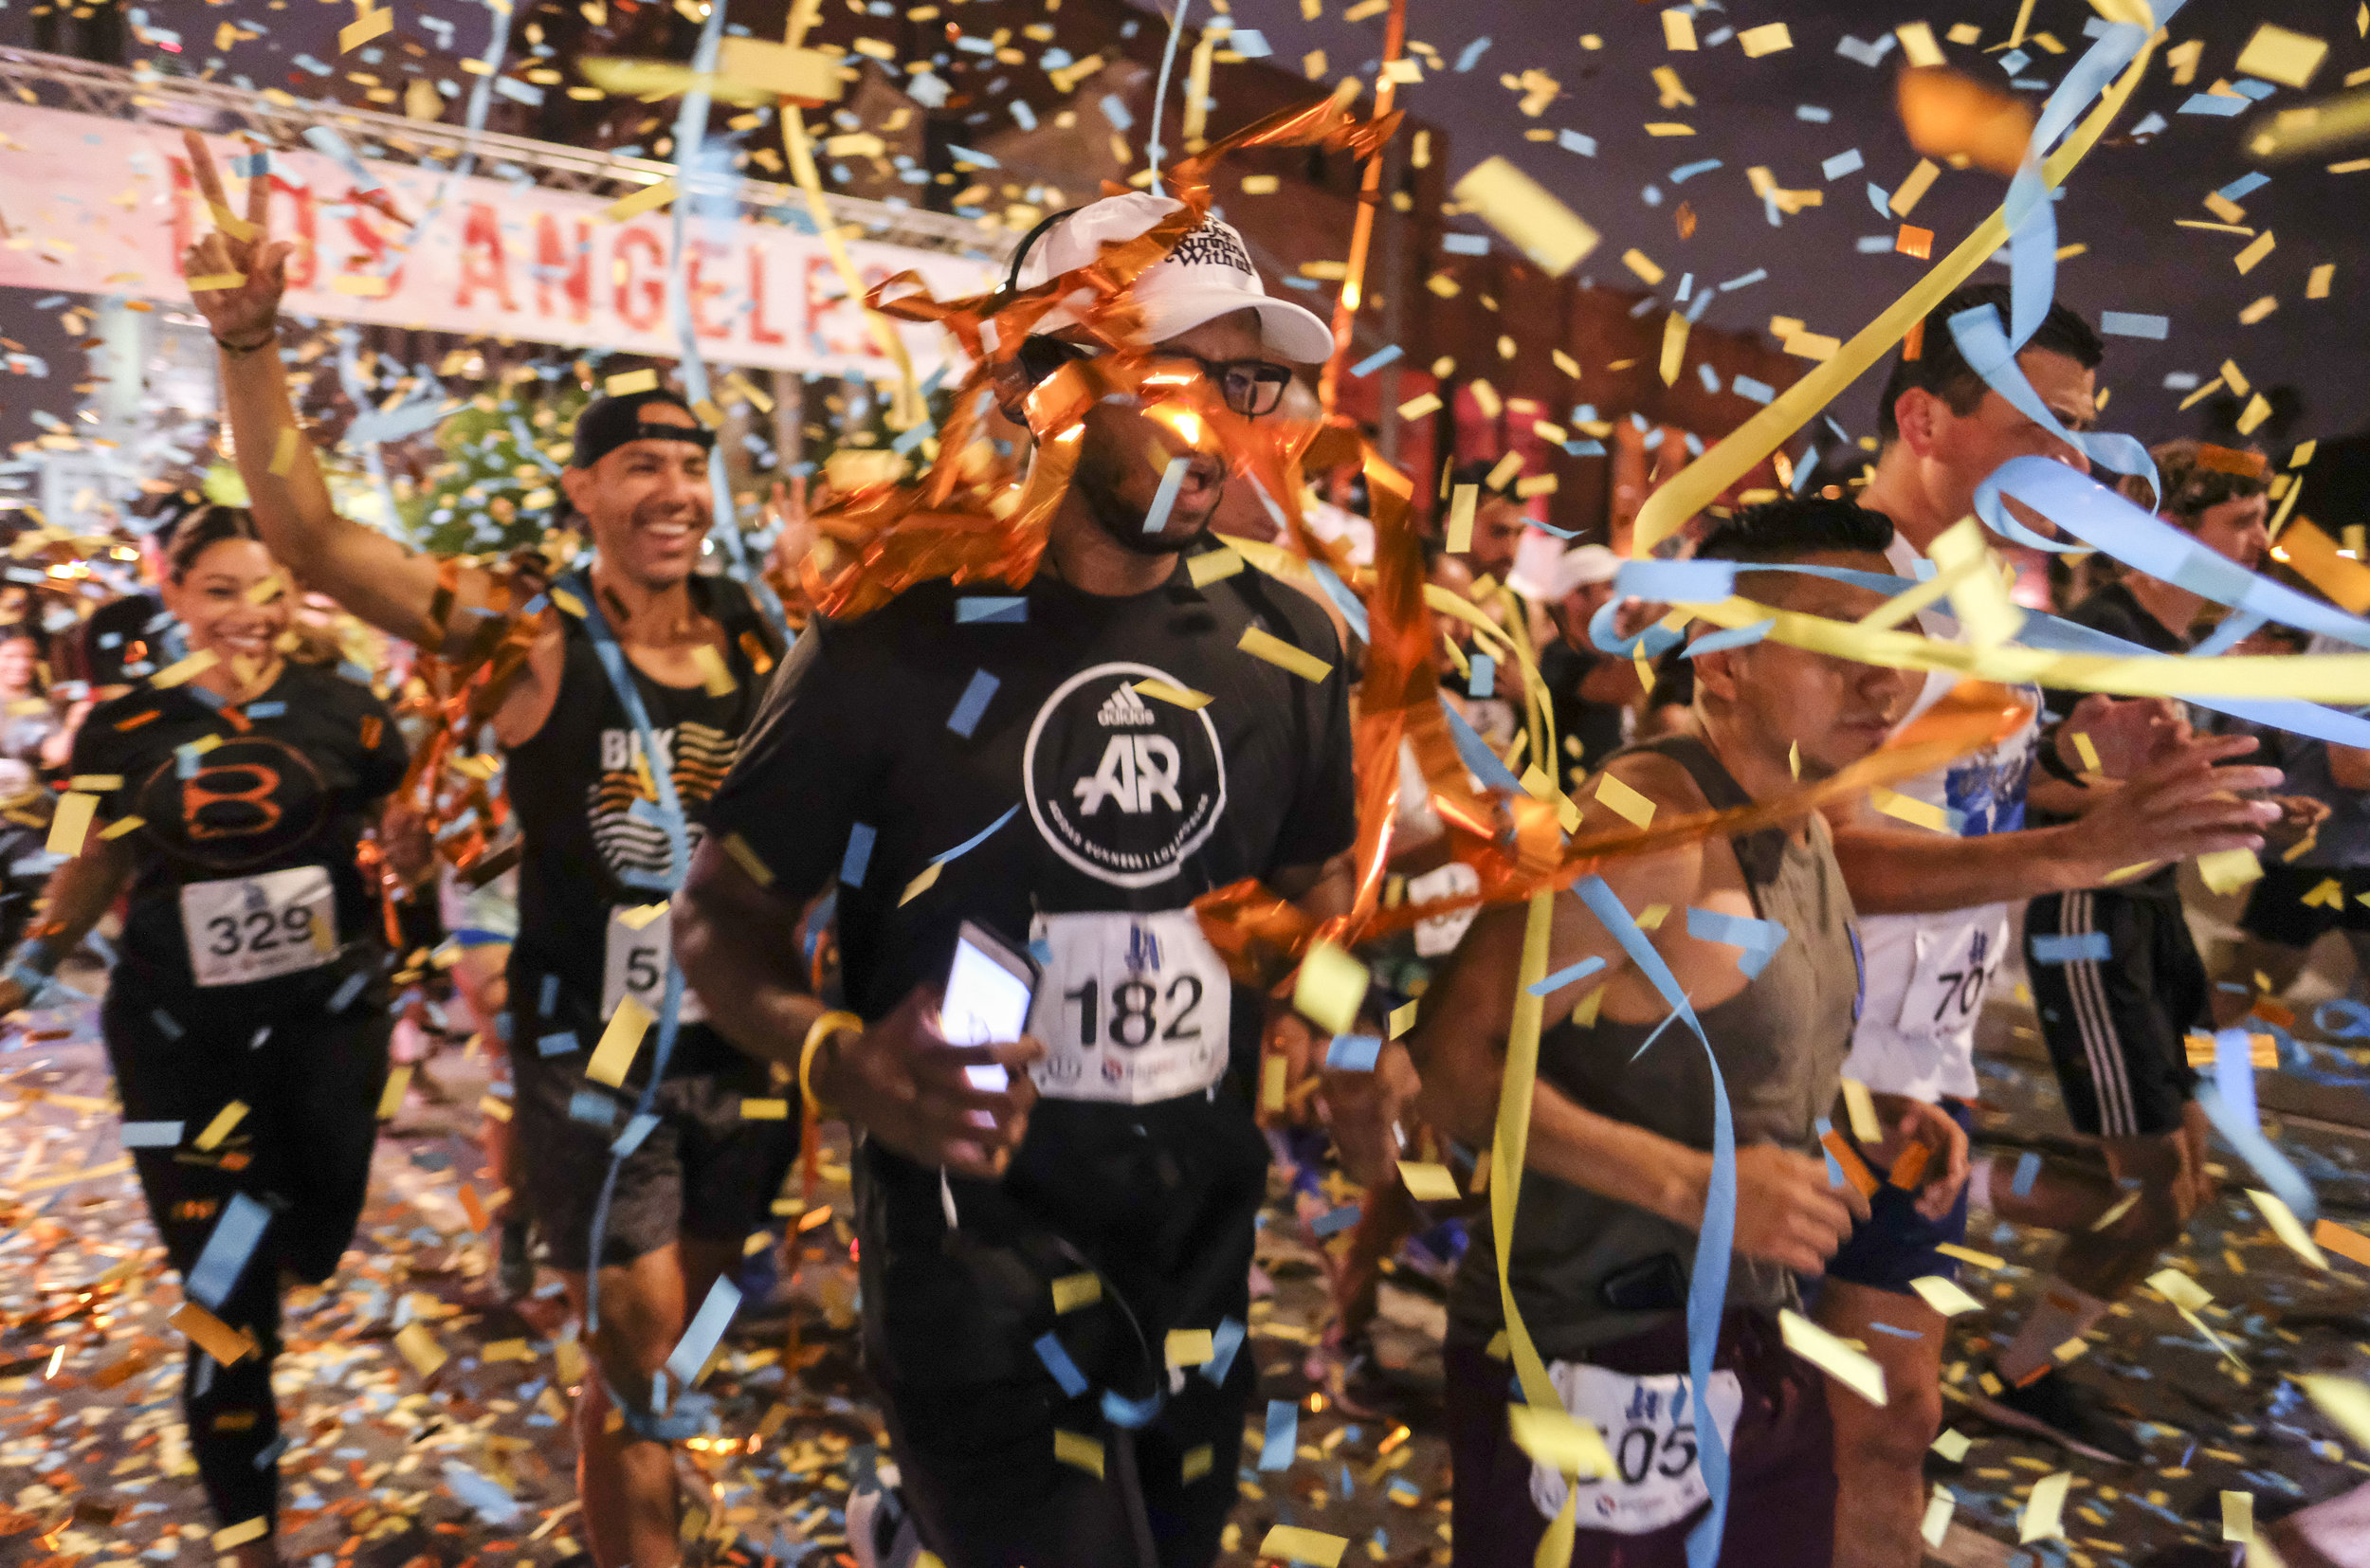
(2276, 911)
(2118, 984)
(703, 1171)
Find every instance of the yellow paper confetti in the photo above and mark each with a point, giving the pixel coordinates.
(620, 1041)
(1861, 1108)
(243, 1532)
(206, 283)
(72, 822)
(211, 1334)
(1329, 986)
(219, 1128)
(390, 1098)
(2228, 870)
(1211, 565)
(420, 1348)
(1768, 38)
(1073, 1291)
(2275, 54)
(373, 25)
(1534, 222)
(1275, 650)
(626, 209)
(1076, 1449)
(2043, 1511)
(1627, 803)
(1908, 809)
(1944, 1296)
(2289, 1230)
(1427, 1182)
(1187, 1347)
(2238, 1516)
(1856, 1369)
(1182, 697)
(1402, 1019)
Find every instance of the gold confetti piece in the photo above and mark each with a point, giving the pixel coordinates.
(2122, 1206)
(1211, 565)
(1462, 501)
(2238, 1516)
(2042, 1511)
(1275, 650)
(219, 1128)
(123, 825)
(625, 209)
(2345, 1402)
(1187, 1347)
(640, 917)
(206, 283)
(715, 678)
(1073, 1291)
(1912, 189)
(619, 1042)
(2286, 1226)
(2226, 870)
(71, 824)
(2345, 1242)
(495, 1106)
(1554, 237)
(747, 860)
(922, 884)
(1935, 1528)
(1077, 1448)
(1856, 1369)
(2261, 246)
(1968, 1255)
(1944, 1296)
(211, 1334)
(624, 384)
(1794, 759)
(2087, 751)
(241, 1533)
(1329, 986)
(1667, 128)
(1402, 1019)
(185, 669)
(1953, 1445)
(230, 222)
(1768, 38)
(390, 1098)
(1674, 349)
(1197, 1463)
(1420, 405)
(1272, 1090)
(372, 25)
(1427, 1182)
(506, 1350)
(1917, 45)
(1631, 807)
(1861, 1107)
(362, 287)
(420, 1348)
(2275, 54)
(1181, 695)
(1652, 916)
(1293, 1543)
(1908, 809)
(2070, 1349)
(1678, 29)
(764, 1110)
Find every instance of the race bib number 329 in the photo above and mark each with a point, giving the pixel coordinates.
(244, 929)
(1132, 1008)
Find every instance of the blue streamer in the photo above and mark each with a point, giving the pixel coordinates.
(2086, 945)
(2229, 1100)
(1475, 754)
(1548, 985)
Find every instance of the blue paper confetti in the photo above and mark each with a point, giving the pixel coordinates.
(1284, 1429)
(227, 1249)
(1353, 1052)
(1057, 1363)
(2065, 949)
(965, 718)
(859, 855)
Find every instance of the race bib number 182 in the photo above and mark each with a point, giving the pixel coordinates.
(1131, 1008)
(1649, 1425)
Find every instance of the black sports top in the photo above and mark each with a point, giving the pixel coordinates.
(290, 782)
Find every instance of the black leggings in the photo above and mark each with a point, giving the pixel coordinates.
(302, 1151)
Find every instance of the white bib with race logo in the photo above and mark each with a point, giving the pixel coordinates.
(1955, 961)
(242, 929)
(1131, 1008)
(637, 962)
(1649, 1425)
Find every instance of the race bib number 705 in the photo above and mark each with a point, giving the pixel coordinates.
(1649, 1425)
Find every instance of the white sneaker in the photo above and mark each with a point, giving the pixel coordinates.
(880, 1532)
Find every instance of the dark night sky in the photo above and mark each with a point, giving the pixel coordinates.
(2123, 201)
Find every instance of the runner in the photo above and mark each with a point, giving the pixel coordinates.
(1119, 1176)
(1618, 1158)
(247, 1015)
(1933, 921)
(2118, 983)
(595, 857)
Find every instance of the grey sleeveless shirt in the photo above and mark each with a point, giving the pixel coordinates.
(1586, 1269)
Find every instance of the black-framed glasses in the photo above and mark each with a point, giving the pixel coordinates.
(1251, 387)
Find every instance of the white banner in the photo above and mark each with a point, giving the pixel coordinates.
(104, 206)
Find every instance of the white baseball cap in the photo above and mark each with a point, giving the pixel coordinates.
(1208, 275)
(1584, 565)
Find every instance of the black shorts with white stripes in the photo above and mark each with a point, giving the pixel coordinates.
(2118, 981)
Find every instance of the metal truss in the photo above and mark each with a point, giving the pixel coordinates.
(61, 81)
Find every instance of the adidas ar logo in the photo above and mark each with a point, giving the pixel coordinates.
(1124, 707)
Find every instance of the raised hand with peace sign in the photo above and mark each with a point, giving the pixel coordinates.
(242, 315)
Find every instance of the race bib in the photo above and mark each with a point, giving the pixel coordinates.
(1955, 965)
(257, 928)
(1440, 934)
(1132, 1008)
(636, 961)
(1649, 1423)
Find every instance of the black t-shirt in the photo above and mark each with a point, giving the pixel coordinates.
(585, 824)
(229, 834)
(874, 756)
(1596, 725)
(2115, 611)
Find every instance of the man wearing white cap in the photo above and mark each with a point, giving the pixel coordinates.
(1590, 691)
(1054, 1263)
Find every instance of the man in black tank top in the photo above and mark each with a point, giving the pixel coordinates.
(620, 703)
(1758, 934)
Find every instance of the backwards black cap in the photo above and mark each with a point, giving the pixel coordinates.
(608, 423)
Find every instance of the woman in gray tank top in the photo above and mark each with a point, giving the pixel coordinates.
(1758, 934)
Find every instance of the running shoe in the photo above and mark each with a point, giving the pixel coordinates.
(514, 1265)
(880, 1532)
(2055, 1407)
